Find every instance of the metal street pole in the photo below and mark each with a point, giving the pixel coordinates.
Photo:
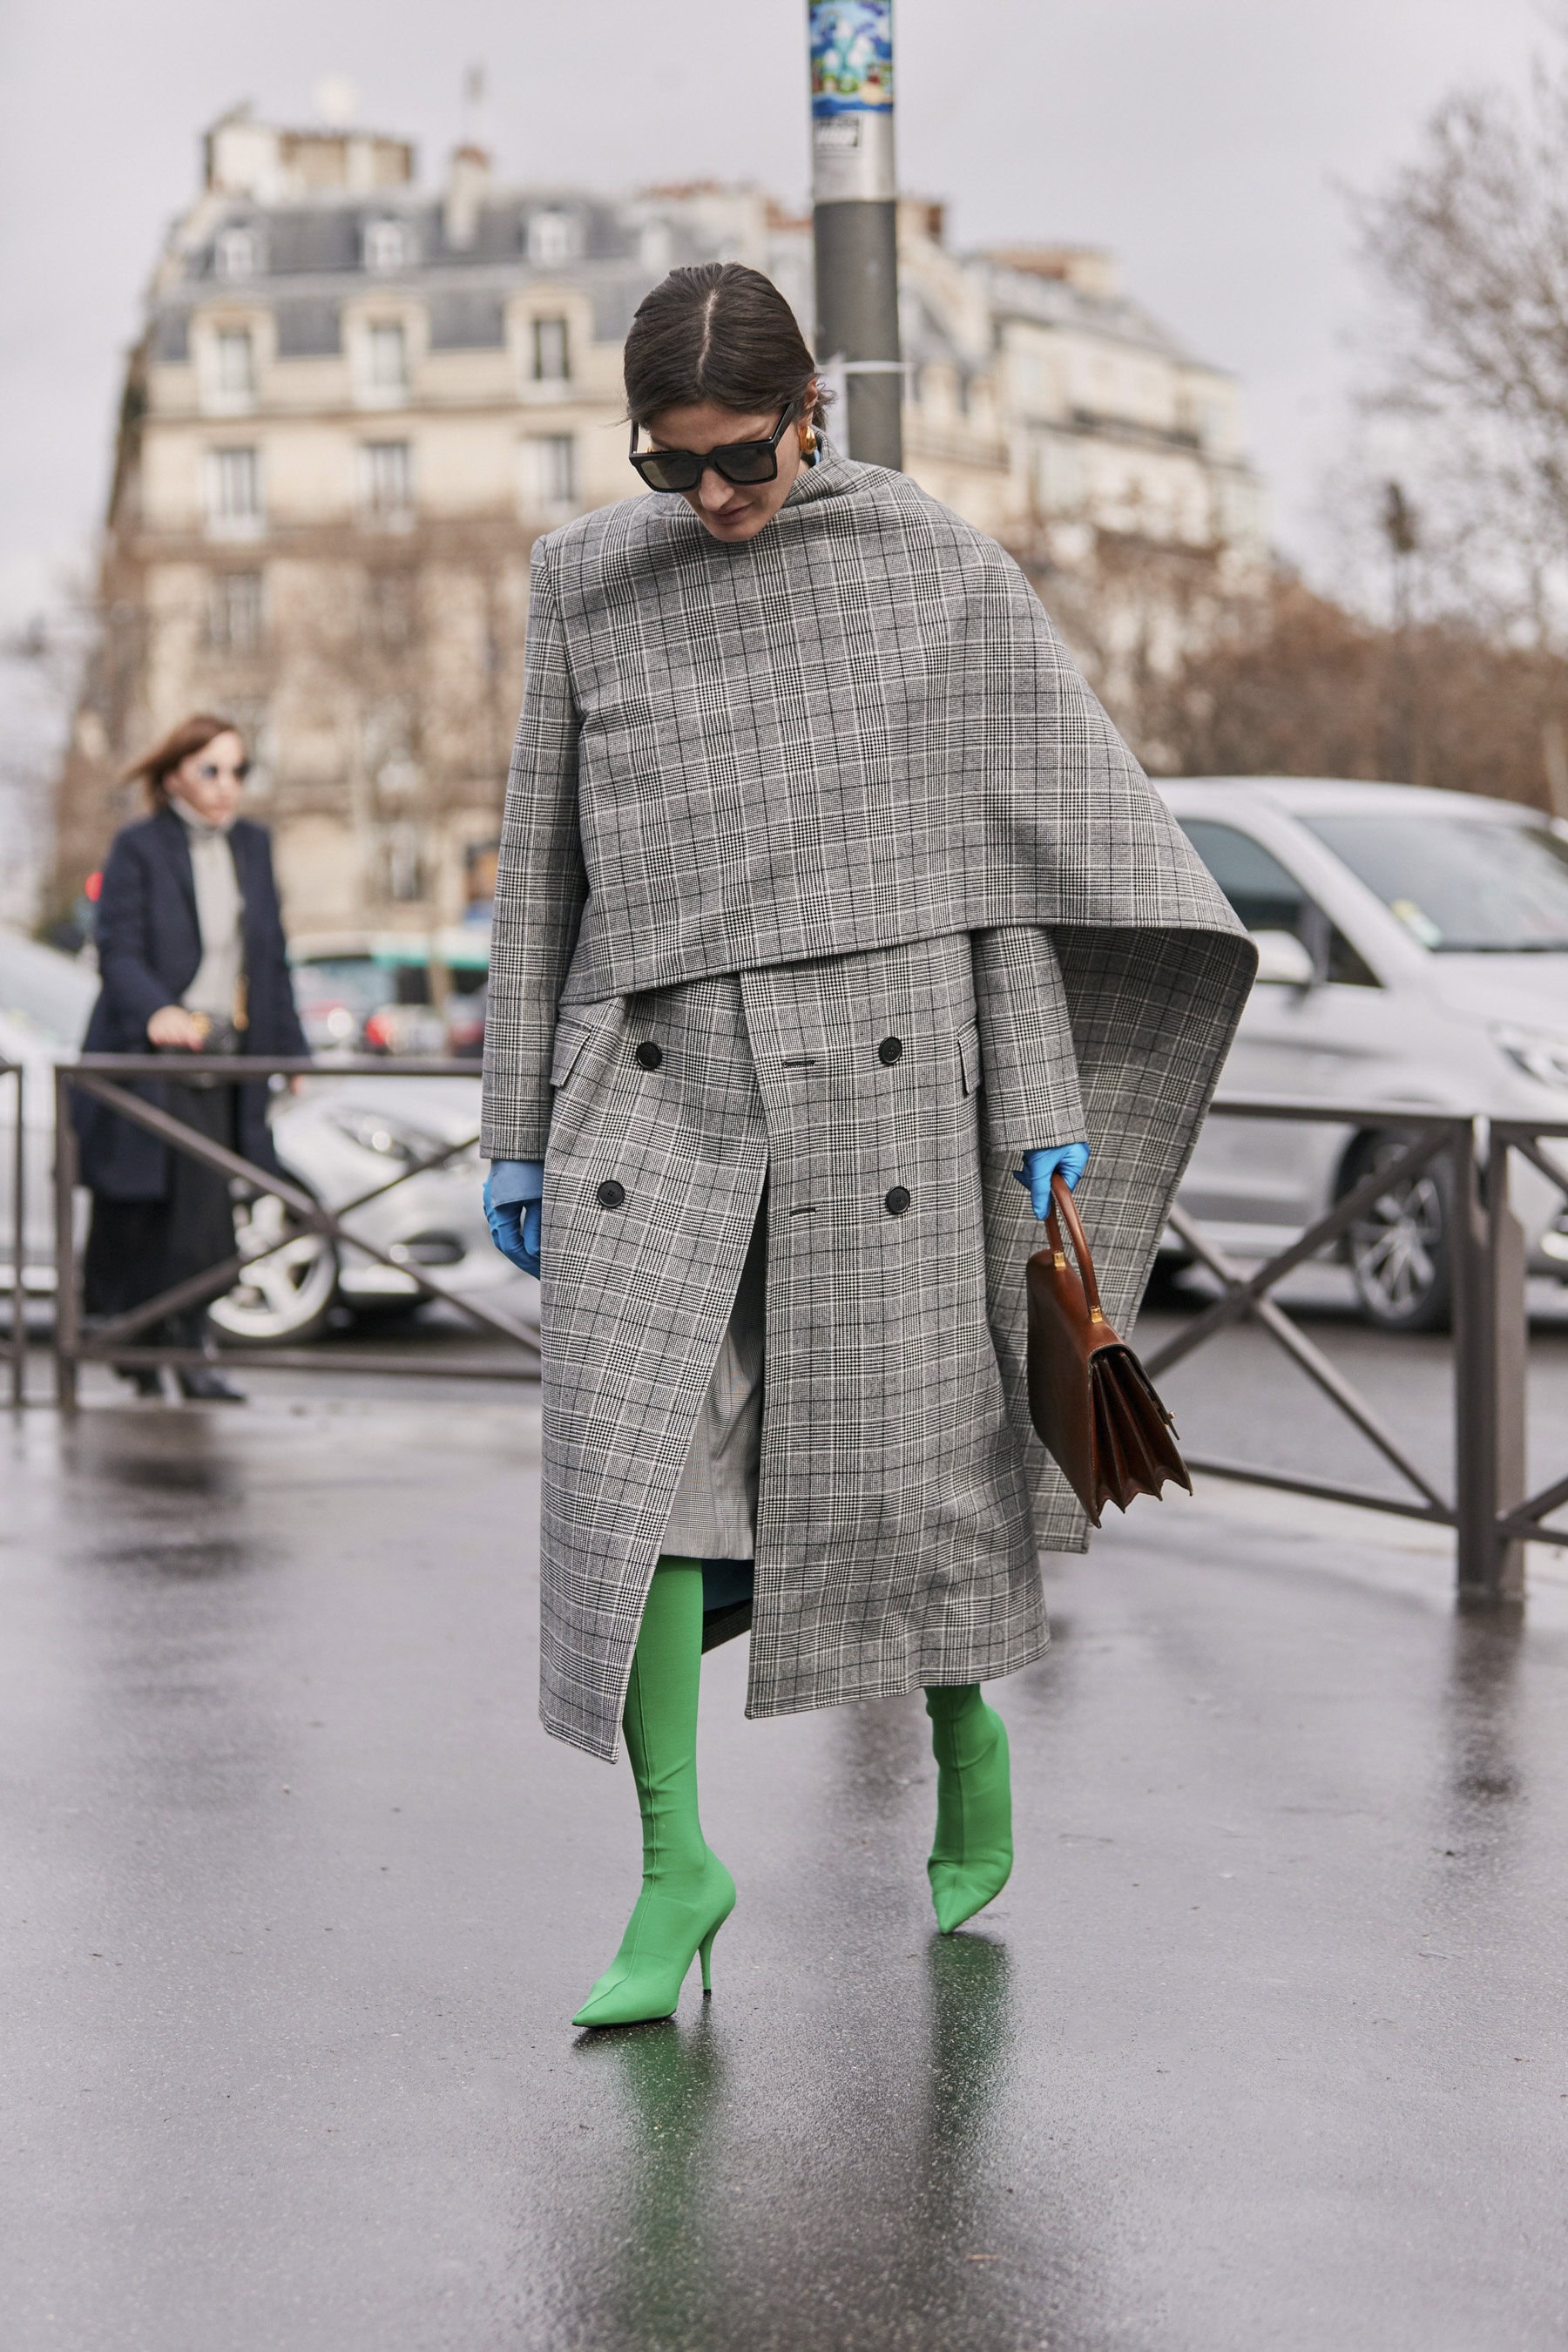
(855, 219)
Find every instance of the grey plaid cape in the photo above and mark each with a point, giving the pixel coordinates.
(825, 879)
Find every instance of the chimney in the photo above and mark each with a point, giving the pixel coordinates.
(467, 185)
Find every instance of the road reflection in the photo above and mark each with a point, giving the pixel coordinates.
(665, 2278)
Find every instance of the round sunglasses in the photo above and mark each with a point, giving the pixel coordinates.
(740, 463)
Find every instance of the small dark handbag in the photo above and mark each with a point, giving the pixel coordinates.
(1093, 1405)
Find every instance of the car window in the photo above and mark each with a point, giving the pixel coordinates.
(1267, 898)
(44, 993)
(1460, 885)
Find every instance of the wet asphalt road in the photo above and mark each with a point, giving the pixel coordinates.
(1264, 2046)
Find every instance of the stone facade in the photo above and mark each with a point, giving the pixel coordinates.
(357, 402)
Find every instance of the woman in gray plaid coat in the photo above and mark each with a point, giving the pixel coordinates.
(831, 912)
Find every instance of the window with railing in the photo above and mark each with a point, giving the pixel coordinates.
(552, 352)
(386, 482)
(234, 363)
(236, 613)
(548, 474)
(386, 358)
(234, 507)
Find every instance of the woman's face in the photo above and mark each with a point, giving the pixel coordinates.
(212, 780)
(724, 508)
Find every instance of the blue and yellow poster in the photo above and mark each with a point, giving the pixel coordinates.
(851, 55)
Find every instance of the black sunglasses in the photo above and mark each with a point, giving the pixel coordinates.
(740, 462)
(209, 770)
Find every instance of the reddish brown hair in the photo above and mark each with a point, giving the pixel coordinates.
(192, 734)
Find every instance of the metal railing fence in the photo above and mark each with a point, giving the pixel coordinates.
(1487, 1504)
(115, 1339)
(1487, 1508)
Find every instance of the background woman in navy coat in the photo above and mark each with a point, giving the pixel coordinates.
(193, 959)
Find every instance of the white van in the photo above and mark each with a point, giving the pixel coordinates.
(1412, 952)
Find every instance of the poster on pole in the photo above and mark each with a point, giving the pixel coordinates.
(851, 57)
(851, 100)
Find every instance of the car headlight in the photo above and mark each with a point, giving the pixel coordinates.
(374, 1133)
(1540, 1054)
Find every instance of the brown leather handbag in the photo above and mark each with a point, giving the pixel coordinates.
(1093, 1405)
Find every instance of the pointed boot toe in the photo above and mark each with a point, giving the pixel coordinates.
(958, 1890)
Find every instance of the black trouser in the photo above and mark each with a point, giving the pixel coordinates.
(137, 1248)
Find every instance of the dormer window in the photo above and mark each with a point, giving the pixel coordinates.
(388, 246)
(552, 352)
(236, 252)
(551, 239)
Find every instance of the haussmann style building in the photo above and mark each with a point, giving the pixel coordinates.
(357, 402)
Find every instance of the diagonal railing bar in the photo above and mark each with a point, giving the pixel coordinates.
(1313, 1361)
(1532, 1151)
(196, 1146)
(1242, 1290)
(1525, 1520)
(378, 1192)
(1329, 1490)
(214, 1280)
(195, 1289)
(229, 1163)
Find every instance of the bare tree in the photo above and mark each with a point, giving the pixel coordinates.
(1468, 247)
(1294, 685)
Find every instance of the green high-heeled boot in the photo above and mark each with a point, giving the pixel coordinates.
(687, 1893)
(973, 1857)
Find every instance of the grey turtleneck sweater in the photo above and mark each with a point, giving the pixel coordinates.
(214, 990)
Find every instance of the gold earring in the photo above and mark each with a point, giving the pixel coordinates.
(807, 441)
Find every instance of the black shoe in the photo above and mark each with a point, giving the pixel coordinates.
(204, 1385)
(145, 1379)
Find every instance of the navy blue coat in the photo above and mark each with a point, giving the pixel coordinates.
(149, 948)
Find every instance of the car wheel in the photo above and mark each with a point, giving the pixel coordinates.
(1399, 1252)
(285, 1299)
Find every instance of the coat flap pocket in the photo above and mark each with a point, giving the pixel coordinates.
(969, 1058)
(571, 1034)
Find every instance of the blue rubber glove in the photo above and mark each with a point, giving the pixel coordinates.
(1040, 1167)
(514, 1210)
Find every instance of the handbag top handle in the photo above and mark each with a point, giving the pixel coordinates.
(1062, 1200)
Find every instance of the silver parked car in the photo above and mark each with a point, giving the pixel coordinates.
(343, 1139)
(1412, 952)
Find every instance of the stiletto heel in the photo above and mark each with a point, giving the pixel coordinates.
(705, 1951)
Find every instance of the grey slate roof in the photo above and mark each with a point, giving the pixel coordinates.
(312, 255)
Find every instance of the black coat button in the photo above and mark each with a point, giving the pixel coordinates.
(611, 1194)
(890, 1050)
(896, 1201)
(649, 1054)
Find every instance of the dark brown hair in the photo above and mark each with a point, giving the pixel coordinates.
(192, 734)
(720, 332)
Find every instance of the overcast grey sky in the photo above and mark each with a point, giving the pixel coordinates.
(1203, 139)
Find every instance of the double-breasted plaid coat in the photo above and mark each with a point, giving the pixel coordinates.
(825, 881)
